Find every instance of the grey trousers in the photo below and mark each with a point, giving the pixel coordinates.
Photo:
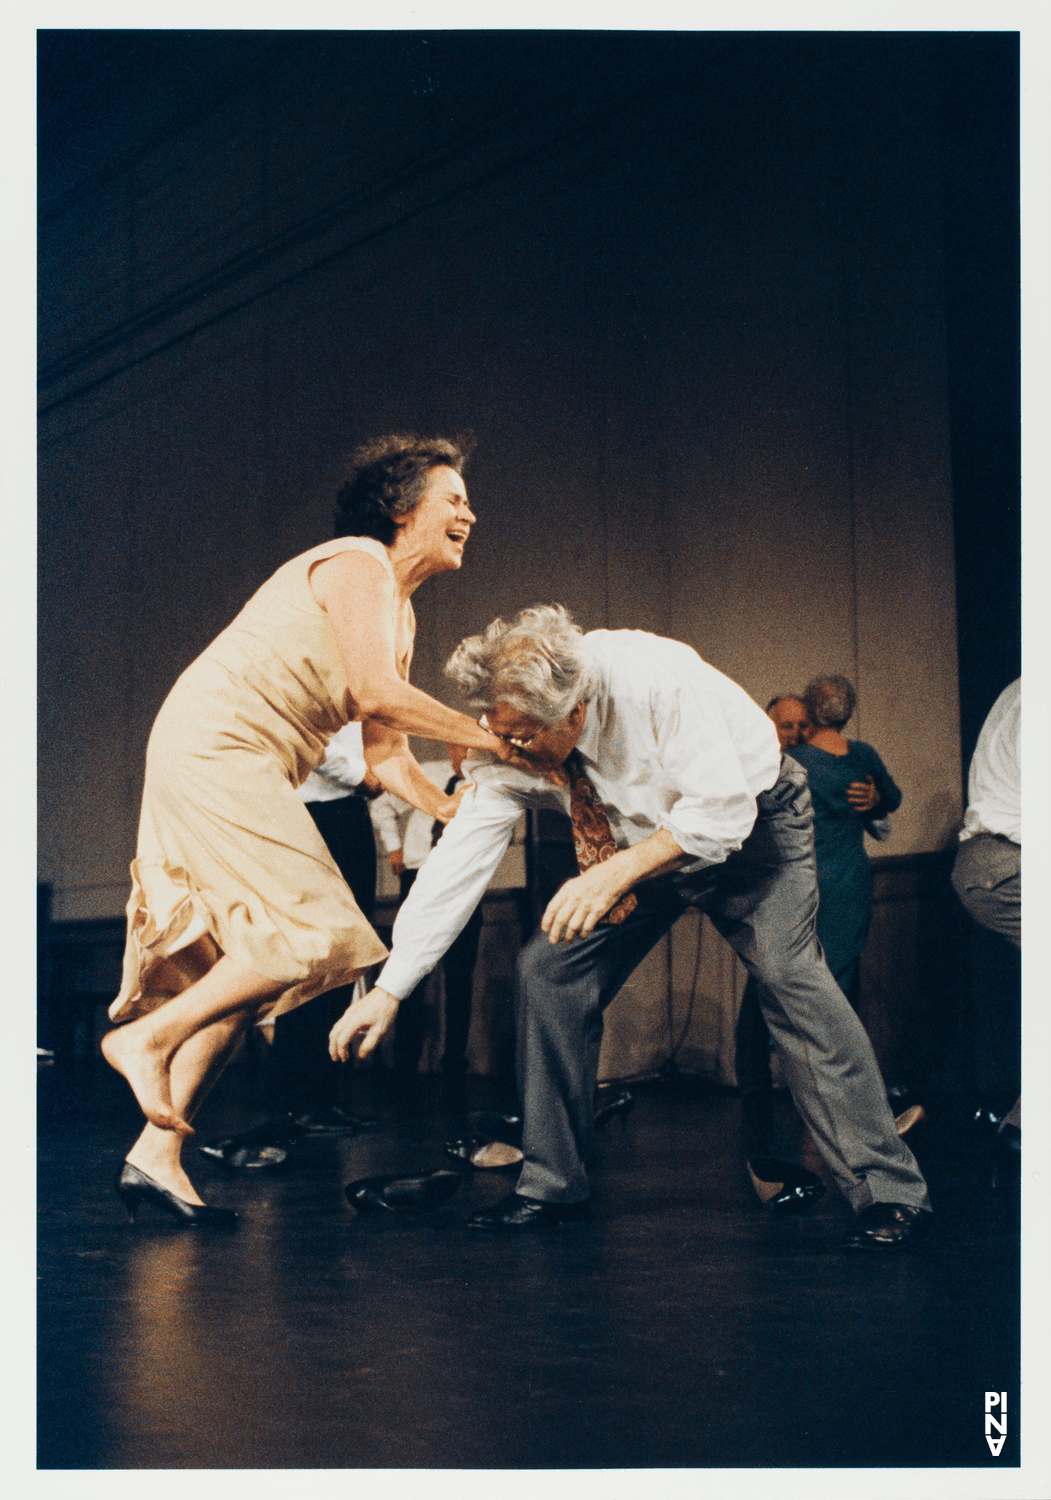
(987, 877)
(763, 901)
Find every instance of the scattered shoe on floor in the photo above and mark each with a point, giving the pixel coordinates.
(261, 1147)
(784, 1187)
(476, 1151)
(335, 1120)
(403, 1192)
(611, 1104)
(914, 1115)
(268, 1145)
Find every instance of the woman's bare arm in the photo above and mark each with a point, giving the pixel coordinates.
(387, 753)
(356, 593)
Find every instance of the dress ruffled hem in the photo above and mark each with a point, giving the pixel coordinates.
(174, 938)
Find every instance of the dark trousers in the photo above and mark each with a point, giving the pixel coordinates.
(300, 1074)
(410, 1026)
(763, 900)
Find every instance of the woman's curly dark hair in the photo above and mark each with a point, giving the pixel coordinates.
(387, 480)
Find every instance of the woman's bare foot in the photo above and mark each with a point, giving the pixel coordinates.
(128, 1049)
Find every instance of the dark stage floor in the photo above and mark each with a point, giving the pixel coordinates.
(681, 1326)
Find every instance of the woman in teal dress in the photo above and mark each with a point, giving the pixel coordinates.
(851, 789)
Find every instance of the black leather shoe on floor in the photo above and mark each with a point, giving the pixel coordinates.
(478, 1151)
(257, 1149)
(782, 1186)
(247, 1158)
(492, 1125)
(403, 1192)
(612, 1104)
(518, 1212)
(334, 1121)
(889, 1226)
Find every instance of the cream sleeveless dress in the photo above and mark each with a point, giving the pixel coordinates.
(229, 860)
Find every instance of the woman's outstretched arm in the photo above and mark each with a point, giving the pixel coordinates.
(387, 753)
(355, 591)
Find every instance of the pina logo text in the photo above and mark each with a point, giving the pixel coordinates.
(994, 1400)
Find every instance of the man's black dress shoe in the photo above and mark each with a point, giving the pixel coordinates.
(784, 1187)
(411, 1192)
(519, 1212)
(889, 1226)
(334, 1121)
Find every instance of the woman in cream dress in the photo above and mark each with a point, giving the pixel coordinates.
(237, 909)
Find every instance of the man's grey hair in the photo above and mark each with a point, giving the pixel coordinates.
(830, 701)
(536, 662)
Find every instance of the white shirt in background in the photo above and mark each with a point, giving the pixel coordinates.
(994, 783)
(399, 825)
(342, 769)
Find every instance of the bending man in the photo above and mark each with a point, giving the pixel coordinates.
(679, 797)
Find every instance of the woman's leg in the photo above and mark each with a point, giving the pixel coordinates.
(194, 1069)
(143, 1050)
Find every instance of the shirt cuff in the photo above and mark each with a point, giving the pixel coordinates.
(398, 977)
(702, 851)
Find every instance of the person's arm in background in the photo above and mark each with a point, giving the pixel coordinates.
(388, 813)
(875, 797)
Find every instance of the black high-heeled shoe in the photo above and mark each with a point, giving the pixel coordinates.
(134, 1189)
(611, 1103)
(783, 1186)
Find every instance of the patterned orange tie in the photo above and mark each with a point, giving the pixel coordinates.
(592, 835)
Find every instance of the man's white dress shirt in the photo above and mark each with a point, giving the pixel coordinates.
(668, 742)
(994, 782)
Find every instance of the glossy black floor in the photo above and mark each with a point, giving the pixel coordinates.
(681, 1326)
